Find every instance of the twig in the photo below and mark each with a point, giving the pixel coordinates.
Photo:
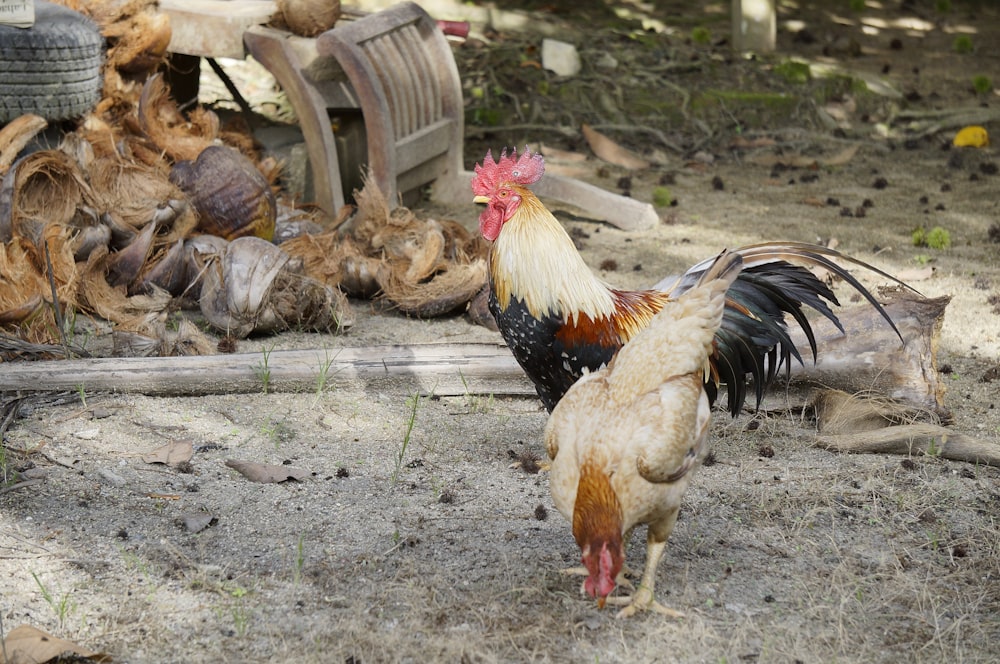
(20, 485)
(233, 90)
(55, 301)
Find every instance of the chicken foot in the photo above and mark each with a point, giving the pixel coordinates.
(642, 599)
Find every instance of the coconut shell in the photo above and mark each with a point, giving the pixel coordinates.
(309, 18)
(230, 195)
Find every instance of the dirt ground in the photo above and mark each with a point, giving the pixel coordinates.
(414, 539)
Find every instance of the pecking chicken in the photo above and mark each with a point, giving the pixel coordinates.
(625, 441)
(559, 319)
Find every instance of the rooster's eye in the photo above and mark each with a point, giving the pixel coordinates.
(503, 194)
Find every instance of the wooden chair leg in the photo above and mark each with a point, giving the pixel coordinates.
(271, 48)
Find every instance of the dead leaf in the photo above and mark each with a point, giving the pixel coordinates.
(972, 136)
(29, 644)
(172, 454)
(611, 152)
(815, 202)
(266, 473)
(555, 154)
(744, 143)
(790, 160)
(841, 157)
(916, 274)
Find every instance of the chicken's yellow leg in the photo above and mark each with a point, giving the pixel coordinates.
(642, 598)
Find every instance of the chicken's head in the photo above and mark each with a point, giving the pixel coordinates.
(498, 183)
(604, 561)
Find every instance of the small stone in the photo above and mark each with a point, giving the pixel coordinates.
(560, 58)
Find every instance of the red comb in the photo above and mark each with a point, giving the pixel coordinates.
(526, 169)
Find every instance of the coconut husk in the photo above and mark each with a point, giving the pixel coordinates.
(135, 195)
(134, 313)
(447, 292)
(423, 267)
(47, 185)
(16, 134)
(254, 286)
(161, 122)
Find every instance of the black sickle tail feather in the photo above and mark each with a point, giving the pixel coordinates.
(753, 340)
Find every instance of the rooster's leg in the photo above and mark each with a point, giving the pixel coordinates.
(642, 599)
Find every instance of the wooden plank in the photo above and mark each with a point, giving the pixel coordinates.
(213, 28)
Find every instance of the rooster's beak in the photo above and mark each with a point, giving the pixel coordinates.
(481, 199)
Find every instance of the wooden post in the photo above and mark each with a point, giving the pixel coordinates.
(754, 26)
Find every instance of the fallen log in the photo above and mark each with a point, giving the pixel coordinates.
(915, 439)
(441, 369)
(870, 357)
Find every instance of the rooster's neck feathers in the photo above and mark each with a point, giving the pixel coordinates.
(597, 512)
(534, 260)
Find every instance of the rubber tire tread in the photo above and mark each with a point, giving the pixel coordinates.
(52, 69)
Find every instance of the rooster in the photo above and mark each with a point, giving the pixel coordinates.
(559, 319)
(624, 441)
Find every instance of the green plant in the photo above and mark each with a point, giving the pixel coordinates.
(982, 84)
(300, 560)
(277, 431)
(61, 607)
(476, 403)
(935, 238)
(414, 401)
(324, 373)
(81, 390)
(943, 6)
(793, 71)
(239, 610)
(857, 5)
(701, 35)
(662, 197)
(263, 370)
(963, 44)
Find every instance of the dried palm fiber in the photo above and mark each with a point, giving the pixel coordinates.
(253, 286)
(137, 36)
(337, 262)
(230, 195)
(450, 290)
(161, 341)
(26, 294)
(416, 276)
(161, 121)
(136, 313)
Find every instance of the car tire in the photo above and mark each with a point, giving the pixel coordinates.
(52, 69)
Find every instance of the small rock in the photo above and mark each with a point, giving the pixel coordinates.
(560, 57)
(606, 61)
(111, 478)
(87, 434)
(195, 523)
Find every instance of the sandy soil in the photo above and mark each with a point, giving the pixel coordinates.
(413, 538)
